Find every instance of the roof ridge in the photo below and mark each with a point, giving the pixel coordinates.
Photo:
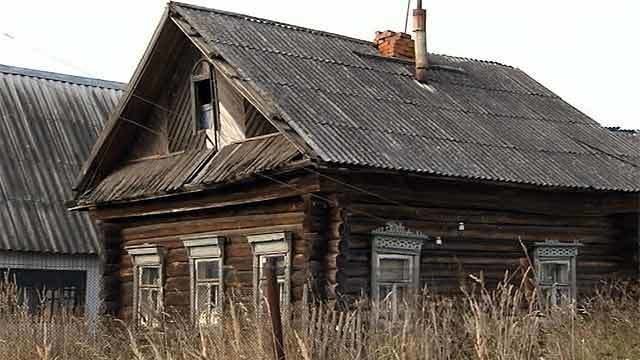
(466, 58)
(321, 32)
(619, 129)
(66, 78)
(271, 22)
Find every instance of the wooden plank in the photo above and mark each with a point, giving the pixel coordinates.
(230, 196)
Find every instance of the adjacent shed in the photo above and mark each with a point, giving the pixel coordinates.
(48, 123)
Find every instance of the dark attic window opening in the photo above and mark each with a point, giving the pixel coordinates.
(205, 109)
(204, 101)
(203, 98)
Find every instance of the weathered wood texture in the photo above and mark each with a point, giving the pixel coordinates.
(331, 225)
(234, 223)
(110, 237)
(169, 126)
(496, 220)
(170, 118)
(316, 239)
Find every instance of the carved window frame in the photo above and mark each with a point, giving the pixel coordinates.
(205, 248)
(147, 257)
(395, 241)
(556, 253)
(271, 245)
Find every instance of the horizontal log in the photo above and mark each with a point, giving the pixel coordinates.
(231, 196)
(447, 215)
(177, 298)
(178, 283)
(210, 225)
(177, 269)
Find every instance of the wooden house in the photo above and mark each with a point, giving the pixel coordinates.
(243, 138)
(48, 123)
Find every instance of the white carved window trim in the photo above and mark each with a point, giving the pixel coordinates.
(147, 257)
(556, 253)
(271, 245)
(205, 248)
(394, 241)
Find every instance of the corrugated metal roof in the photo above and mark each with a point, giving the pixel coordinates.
(181, 172)
(476, 119)
(48, 123)
(628, 135)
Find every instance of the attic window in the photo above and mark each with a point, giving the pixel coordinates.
(203, 90)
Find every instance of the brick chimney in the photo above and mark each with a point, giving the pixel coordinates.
(395, 44)
(401, 45)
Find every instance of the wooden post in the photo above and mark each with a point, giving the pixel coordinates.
(273, 305)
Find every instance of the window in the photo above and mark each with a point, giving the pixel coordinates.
(556, 272)
(207, 277)
(395, 264)
(281, 275)
(148, 280)
(395, 274)
(149, 294)
(267, 246)
(203, 91)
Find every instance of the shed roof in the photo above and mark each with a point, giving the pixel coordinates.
(475, 119)
(48, 123)
(191, 170)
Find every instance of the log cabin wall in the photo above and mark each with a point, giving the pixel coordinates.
(234, 223)
(331, 225)
(496, 219)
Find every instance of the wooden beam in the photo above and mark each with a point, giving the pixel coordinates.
(227, 196)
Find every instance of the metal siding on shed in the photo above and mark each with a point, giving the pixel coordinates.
(477, 119)
(48, 123)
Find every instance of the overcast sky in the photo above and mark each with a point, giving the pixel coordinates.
(586, 51)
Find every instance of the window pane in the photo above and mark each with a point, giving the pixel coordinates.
(280, 265)
(280, 276)
(150, 276)
(392, 270)
(149, 299)
(214, 295)
(556, 295)
(202, 299)
(386, 291)
(555, 273)
(207, 270)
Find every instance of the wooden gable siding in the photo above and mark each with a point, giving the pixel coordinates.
(495, 218)
(170, 120)
(145, 88)
(170, 123)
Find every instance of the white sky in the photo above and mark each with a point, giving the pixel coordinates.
(587, 51)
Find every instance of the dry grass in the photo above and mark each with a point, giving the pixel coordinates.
(482, 324)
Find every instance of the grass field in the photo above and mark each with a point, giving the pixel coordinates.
(499, 324)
